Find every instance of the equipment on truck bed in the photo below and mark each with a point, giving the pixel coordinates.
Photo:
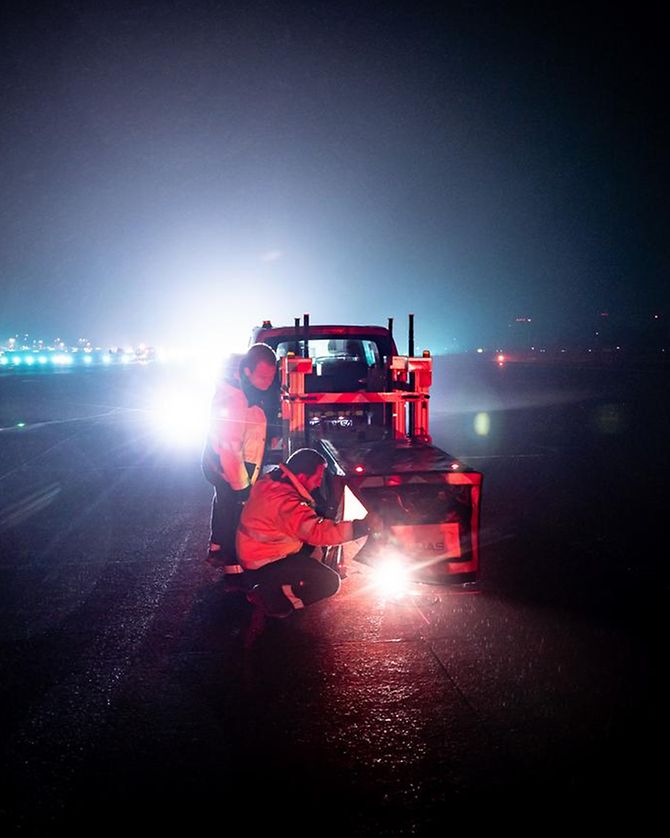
(346, 391)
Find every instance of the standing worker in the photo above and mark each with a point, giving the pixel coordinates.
(279, 531)
(244, 404)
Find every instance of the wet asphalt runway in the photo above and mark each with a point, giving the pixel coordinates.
(136, 694)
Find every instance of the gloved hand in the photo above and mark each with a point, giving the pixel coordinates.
(241, 495)
(372, 525)
(375, 522)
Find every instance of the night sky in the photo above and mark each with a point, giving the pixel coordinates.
(176, 171)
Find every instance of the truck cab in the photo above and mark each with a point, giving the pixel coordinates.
(345, 358)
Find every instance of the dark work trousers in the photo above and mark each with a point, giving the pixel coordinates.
(226, 511)
(298, 579)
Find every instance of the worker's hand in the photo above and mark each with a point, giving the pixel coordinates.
(375, 522)
(241, 495)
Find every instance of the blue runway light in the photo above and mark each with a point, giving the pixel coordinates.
(60, 356)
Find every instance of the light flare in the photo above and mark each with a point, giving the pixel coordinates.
(392, 577)
(181, 420)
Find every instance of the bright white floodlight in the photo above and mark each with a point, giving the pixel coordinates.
(392, 577)
(181, 421)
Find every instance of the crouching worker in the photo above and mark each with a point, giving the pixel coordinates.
(244, 401)
(279, 531)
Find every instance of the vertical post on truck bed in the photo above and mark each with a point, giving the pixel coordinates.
(399, 420)
(422, 377)
(305, 351)
(410, 354)
(293, 372)
(387, 361)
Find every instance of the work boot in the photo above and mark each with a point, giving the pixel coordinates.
(256, 599)
(215, 556)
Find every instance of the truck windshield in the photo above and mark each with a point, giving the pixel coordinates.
(334, 349)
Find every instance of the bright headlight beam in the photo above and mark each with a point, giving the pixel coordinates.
(181, 421)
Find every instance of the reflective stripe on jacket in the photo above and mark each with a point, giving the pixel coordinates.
(279, 518)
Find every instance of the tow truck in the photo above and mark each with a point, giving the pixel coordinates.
(346, 391)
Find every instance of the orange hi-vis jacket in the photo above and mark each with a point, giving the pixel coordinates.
(279, 518)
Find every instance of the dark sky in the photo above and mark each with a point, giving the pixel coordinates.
(185, 167)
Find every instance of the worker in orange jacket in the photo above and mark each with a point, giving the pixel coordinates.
(279, 530)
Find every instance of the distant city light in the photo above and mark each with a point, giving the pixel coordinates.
(58, 354)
